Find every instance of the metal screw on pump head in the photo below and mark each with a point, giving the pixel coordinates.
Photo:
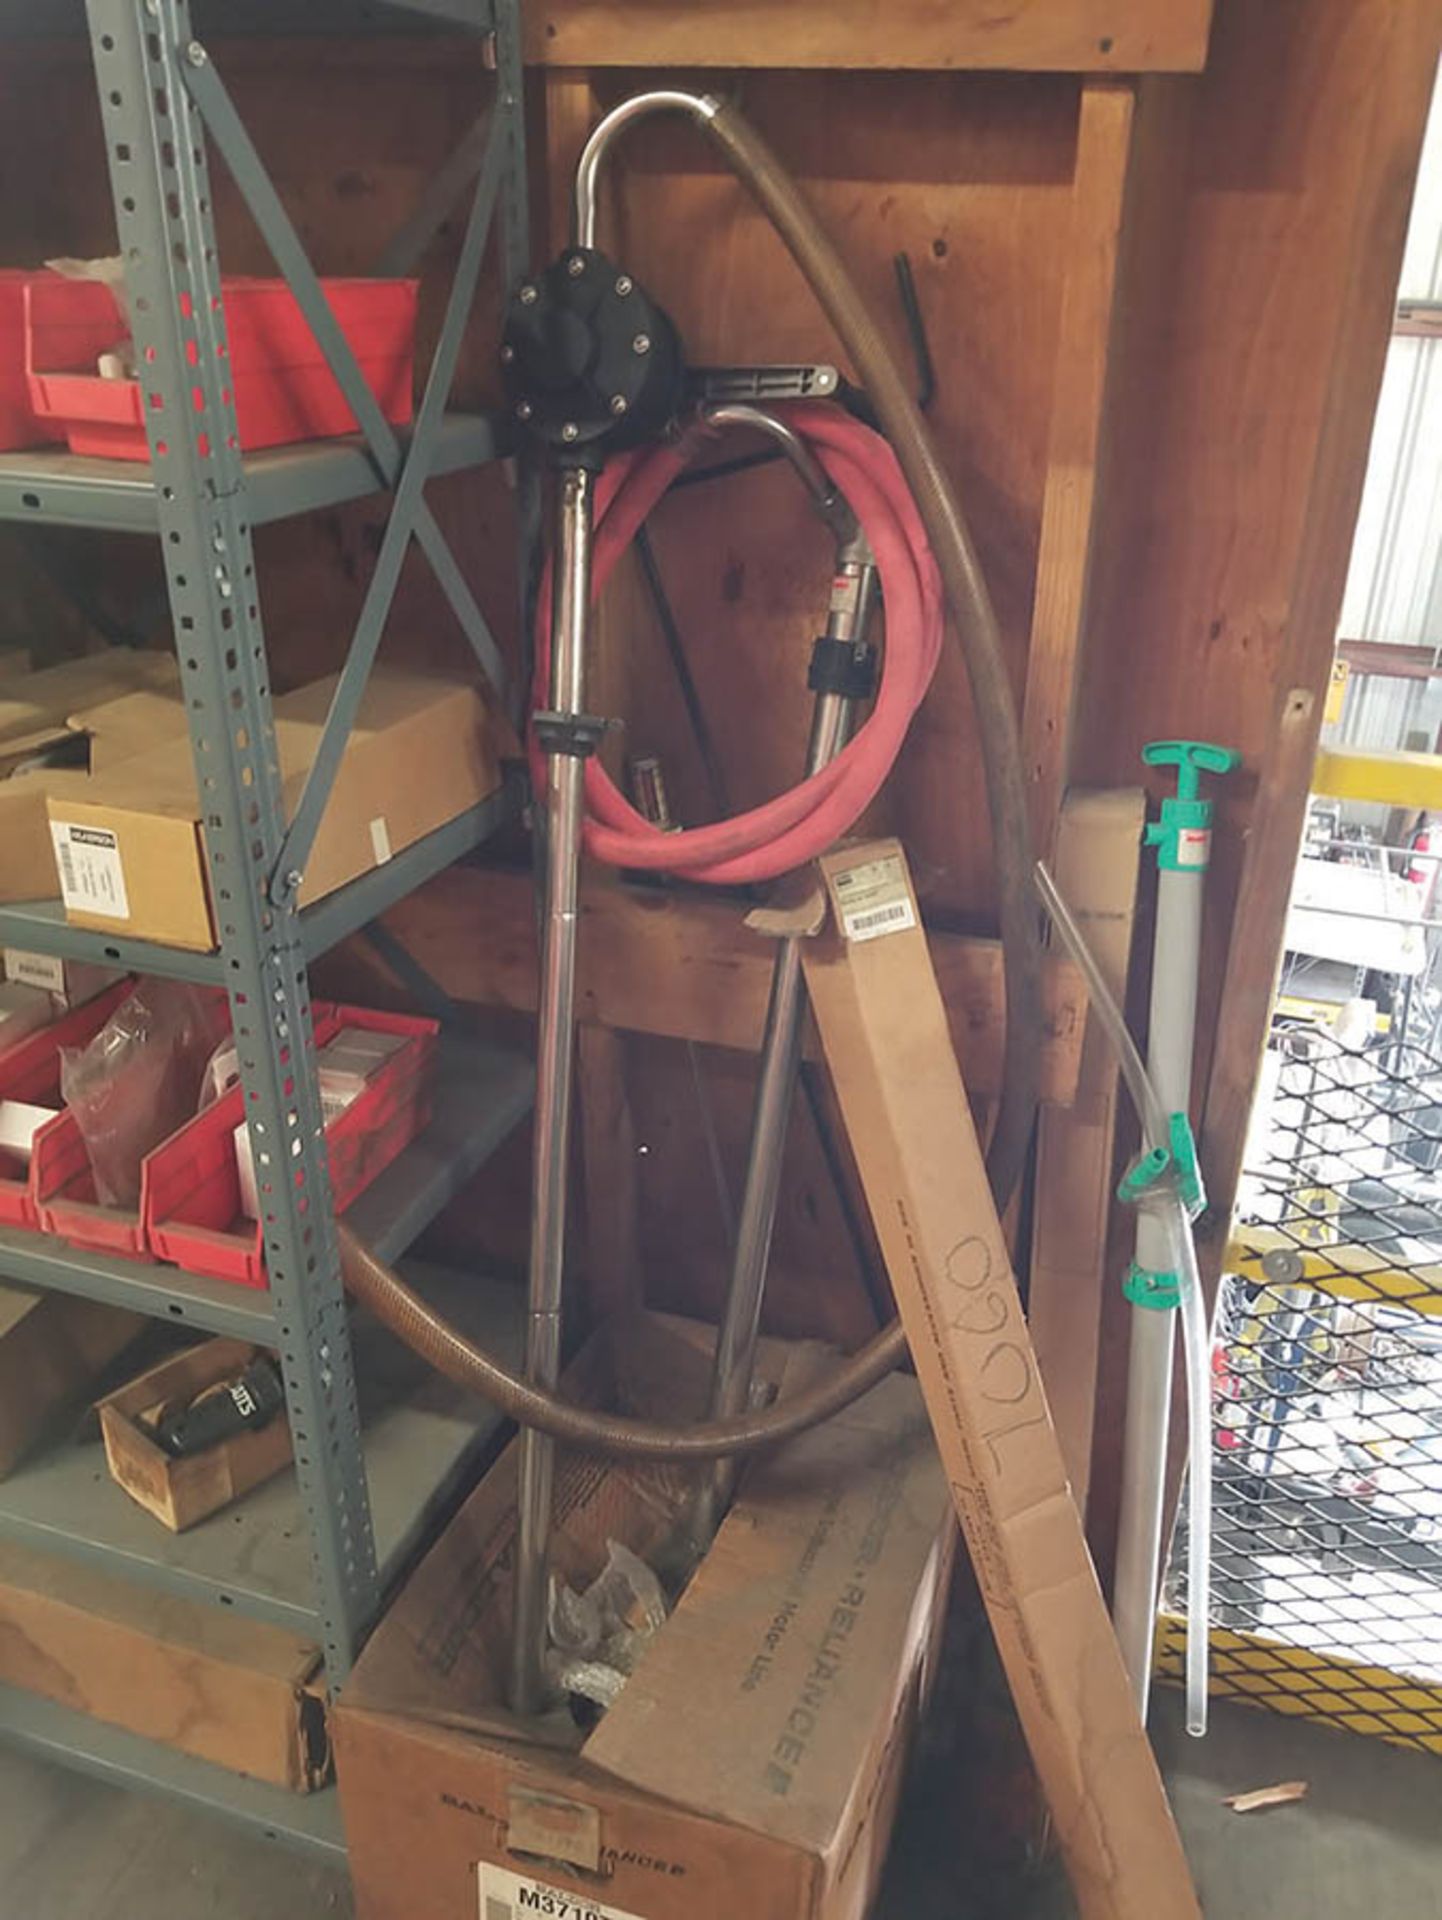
(576, 266)
(570, 430)
(196, 54)
(508, 354)
(527, 295)
(641, 344)
(618, 404)
(624, 284)
(523, 409)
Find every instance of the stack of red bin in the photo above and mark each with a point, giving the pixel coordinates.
(53, 332)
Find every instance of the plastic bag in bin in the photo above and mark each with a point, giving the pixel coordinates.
(140, 1078)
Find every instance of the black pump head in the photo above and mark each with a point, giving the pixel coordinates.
(591, 362)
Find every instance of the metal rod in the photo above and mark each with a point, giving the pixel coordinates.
(588, 169)
(735, 1362)
(738, 413)
(565, 773)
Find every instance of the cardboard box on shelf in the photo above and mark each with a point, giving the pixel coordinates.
(53, 1350)
(36, 709)
(885, 1037)
(116, 723)
(131, 846)
(181, 1492)
(752, 1761)
(241, 1693)
(23, 1010)
(70, 983)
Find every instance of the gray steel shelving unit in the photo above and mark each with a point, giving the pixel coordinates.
(379, 1443)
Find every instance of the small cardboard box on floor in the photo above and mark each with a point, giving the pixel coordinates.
(751, 1764)
(886, 1041)
(131, 846)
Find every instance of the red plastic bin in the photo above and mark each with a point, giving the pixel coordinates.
(63, 1184)
(31, 1071)
(284, 388)
(191, 1188)
(20, 426)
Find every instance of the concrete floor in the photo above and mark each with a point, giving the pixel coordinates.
(1365, 1845)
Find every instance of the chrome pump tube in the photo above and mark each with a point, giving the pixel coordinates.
(734, 1367)
(641, 106)
(565, 775)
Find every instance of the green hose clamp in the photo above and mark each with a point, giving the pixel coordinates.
(1176, 1162)
(1161, 1291)
(1145, 1172)
(1183, 835)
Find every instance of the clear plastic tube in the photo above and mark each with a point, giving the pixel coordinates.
(1196, 1343)
(1196, 1352)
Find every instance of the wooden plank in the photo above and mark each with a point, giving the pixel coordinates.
(1068, 36)
(688, 968)
(1404, 68)
(1074, 447)
(612, 1254)
(1264, 238)
(1097, 870)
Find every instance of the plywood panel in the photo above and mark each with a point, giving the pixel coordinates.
(972, 178)
(1117, 36)
(683, 966)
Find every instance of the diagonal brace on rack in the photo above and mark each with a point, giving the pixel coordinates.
(428, 216)
(224, 124)
(405, 473)
(404, 520)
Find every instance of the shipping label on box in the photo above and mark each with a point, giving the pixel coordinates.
(92, 876)
(504, 1895)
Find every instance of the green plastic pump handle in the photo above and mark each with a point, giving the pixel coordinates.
(1191, 758)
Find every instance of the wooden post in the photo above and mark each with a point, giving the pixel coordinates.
(1074, 448)
(1096, 868)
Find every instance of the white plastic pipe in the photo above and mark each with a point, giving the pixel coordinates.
(1168, 1220)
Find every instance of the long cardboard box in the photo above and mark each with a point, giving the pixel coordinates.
(884, 1034)
(241, 1693)
(131, 846)
(53, 1349)
(752, 1763)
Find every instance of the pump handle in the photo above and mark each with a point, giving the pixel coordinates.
(1191, 758)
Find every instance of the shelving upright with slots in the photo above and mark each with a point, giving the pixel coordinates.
(315, 1551)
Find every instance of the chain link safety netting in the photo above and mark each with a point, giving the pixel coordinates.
(1327, 1396)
